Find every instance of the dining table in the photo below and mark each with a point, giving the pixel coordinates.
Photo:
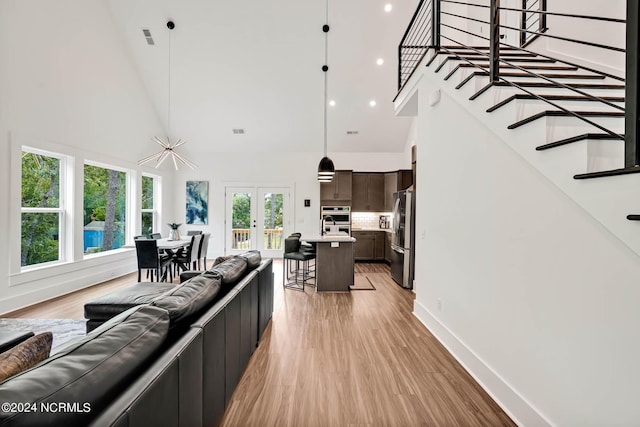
(171, 245)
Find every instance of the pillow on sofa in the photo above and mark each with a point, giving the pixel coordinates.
(189, 297)
(25, 355)
(90, 371)
(253, 258)
(231, 270)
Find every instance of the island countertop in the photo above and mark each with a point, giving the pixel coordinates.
(338, 237)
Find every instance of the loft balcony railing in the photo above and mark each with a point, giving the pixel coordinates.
(488, 28)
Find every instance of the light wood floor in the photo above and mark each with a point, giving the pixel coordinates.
(355, 359)
(352, 359)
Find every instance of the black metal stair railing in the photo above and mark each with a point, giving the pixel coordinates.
(454, 30)
(416, 41)
(460, 35)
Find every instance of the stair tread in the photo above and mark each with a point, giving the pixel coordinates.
(512, 59)
(582, 137)
(550, 75)
(612, 172)
(560, 113)
(529, 67)
(573, 85)
(553, 98)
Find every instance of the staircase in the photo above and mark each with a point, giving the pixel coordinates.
(567, 122)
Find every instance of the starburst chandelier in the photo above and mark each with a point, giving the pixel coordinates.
(168, 148)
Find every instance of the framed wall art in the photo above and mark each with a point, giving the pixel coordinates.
(197, 202)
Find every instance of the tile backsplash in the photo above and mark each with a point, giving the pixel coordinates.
(367, 220)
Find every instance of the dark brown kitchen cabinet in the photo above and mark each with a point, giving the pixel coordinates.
(387, 248)
(393, 182)
(390, 187)
(378, 253)
(365, 245)
(405, 179)
(368, 192)
(338, 191)
(370, 245)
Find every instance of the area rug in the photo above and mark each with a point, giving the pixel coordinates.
(63, 330)
(362, 283)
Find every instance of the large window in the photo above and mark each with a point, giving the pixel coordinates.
(42, 211)
(105, 208)
(149, 203)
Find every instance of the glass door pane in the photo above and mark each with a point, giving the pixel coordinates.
(272, 221)
(241, 221)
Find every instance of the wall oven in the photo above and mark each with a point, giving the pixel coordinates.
(340, 214)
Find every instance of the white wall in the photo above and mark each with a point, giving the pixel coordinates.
(67, 84)
(295, 170)
(538, 300)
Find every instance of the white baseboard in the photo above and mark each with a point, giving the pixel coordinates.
(70, 282)
(519, 409)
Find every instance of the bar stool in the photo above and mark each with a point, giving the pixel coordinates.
(309, 248)
(301, 274)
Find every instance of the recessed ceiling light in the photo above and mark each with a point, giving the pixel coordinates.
(388, 7)
(372, 103)
(332, 103)
(379, 61)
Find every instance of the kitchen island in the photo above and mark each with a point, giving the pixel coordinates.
(334, 261)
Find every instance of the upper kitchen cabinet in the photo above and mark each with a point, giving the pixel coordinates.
(368, 192)
(338, 191)
(393, 182)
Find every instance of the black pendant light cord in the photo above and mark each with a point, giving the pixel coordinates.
(170, 26)
(326, 168)
(325, 68)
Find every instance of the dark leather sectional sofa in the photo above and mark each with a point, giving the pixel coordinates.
(172, 359)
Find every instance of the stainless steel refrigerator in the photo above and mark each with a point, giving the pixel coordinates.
(402, 240)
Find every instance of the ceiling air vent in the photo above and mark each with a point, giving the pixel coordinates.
(352, 132)
(238, 131)
(147, 36)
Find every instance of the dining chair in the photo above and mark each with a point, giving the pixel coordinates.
(193, 232)
(204, 247)
(152, 261)
(187, 259)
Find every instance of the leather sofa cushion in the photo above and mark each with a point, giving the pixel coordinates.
(107, 306)
(253, 258)
(231, 270)
(189, 297)
(89, 372)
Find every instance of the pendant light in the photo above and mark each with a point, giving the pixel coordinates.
(168, 148)
(326, 168)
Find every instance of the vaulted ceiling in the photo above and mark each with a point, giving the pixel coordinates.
(256, 65)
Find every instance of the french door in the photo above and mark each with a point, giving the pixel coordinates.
(256, 218)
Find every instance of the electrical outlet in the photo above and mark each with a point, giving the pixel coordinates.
(439, 302)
